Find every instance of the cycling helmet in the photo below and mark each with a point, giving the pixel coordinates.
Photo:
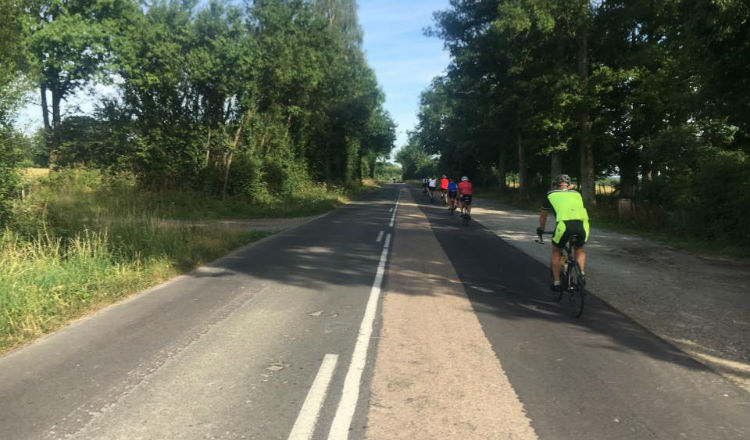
(560, 179)
(464, 179)
(444, 177)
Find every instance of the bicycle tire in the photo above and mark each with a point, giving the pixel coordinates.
(577, 295)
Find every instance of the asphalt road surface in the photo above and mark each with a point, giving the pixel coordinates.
(280, 340)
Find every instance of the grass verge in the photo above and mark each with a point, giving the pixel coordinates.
(48, 281)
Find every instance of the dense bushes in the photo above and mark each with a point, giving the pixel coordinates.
(717, 204)
(9, 156)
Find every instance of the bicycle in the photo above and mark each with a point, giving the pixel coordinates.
(572, 281)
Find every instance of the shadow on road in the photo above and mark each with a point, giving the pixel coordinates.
(502, 281)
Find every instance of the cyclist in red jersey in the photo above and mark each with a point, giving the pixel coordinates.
(444, 188)
(465, 190)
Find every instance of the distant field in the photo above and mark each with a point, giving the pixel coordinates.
(34, 173)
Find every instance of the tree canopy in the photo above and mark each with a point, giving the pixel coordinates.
(250, 98)
(655, 93)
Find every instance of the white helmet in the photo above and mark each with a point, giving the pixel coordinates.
(464, 179)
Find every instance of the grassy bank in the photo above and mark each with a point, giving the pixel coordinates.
(47, 281)
(80, 240)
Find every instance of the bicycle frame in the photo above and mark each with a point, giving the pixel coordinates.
(571, 279)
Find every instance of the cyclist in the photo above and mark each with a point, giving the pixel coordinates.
(465, 192)
(431, 186)
(425, 182)
(444, 188)
(572, 219)
(452, 195)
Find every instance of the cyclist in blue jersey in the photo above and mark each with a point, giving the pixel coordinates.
(452, 195)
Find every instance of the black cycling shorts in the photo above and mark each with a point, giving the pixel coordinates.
(566, 229)
(466, 199)
(452, 194)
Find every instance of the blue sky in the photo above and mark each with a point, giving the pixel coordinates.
(404, 60)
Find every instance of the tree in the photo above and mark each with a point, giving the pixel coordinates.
(68, 46)
(12, 86)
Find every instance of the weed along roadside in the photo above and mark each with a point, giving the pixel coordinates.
(80, 240)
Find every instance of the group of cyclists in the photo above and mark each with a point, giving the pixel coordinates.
(457, 195)
(562, 201)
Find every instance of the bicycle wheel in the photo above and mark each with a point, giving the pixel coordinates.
(577, 294)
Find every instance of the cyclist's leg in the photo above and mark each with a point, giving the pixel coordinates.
(558, 242)
(580, 252)
(555, 263)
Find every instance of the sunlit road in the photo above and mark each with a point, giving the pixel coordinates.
(281, 340)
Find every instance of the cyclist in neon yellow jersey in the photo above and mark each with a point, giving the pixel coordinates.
(572, 219)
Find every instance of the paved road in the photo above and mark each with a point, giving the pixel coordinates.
(600, 377)
(227, 352)
(252, 345)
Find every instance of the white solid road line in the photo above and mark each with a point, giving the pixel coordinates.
(304, 427)
(380, 237)
(395, 211)
(350, 394)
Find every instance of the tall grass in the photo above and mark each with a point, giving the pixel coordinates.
(47, 281)
(73, 245)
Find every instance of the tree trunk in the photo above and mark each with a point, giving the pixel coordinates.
(226, 176)
(208, 148)
(231, 156)
(45, 108)
(47, 130)
(628, 175)
(588, 191)
(502, 167)
(555, 167)
(56, 122)
(523, 183)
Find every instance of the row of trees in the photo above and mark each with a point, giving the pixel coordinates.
(657, 92)
(251, 99)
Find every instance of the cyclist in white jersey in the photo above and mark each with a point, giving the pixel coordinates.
(431, 185)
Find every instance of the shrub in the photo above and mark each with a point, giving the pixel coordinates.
(720, 198)
(9, 179)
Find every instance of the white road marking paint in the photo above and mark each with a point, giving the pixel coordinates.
(395, 211)
(350, 394)
(380, 237)
(304, 427)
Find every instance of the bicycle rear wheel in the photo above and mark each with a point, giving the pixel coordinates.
(577, 294)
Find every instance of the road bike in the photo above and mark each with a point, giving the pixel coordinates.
(572, 281)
